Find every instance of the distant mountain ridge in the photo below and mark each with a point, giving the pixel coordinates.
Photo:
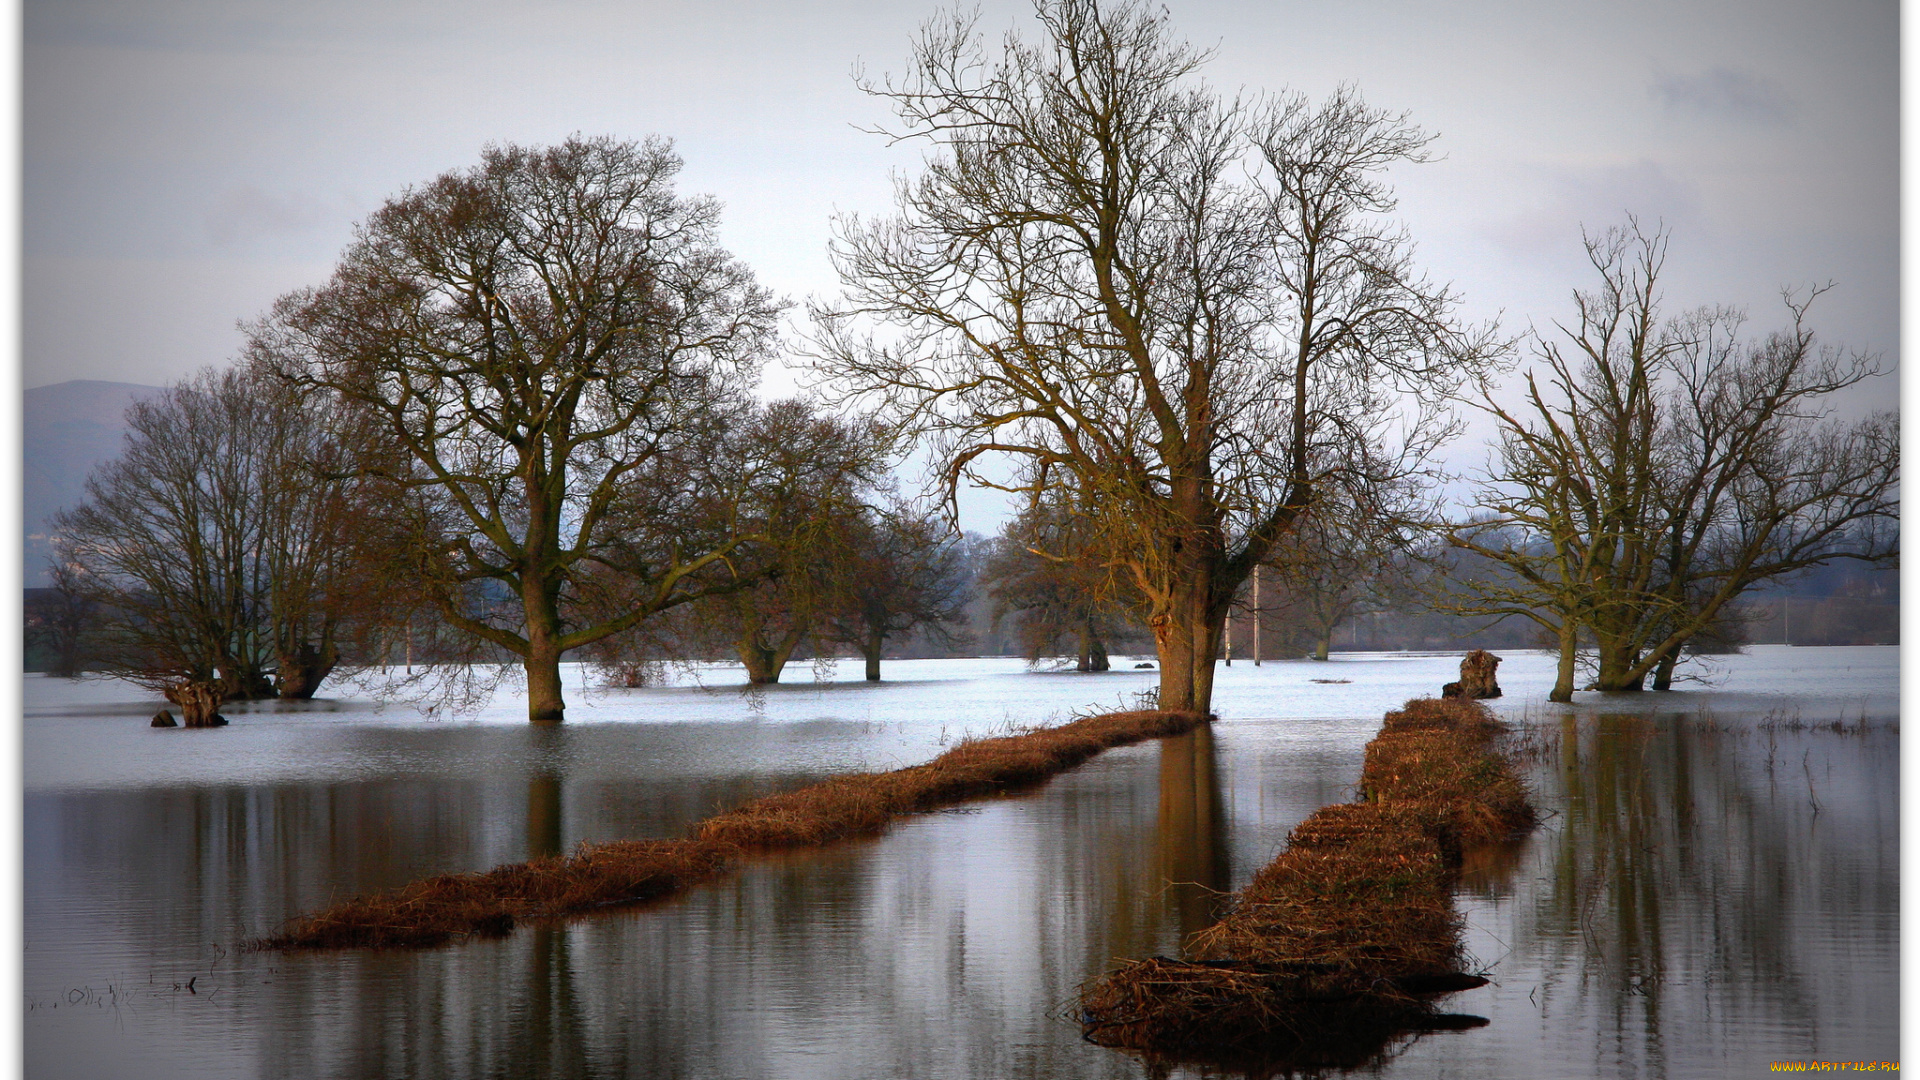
(68, 428)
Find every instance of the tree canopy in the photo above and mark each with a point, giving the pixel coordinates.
(1657, 467)
(559, 344)
(216, 555)
(1190, 304)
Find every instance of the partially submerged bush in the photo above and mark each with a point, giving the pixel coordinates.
(1343, 940)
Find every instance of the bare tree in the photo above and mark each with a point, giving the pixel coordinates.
(1658, 468)
(213, 547)
(905, 573)
(558, 342)
(1340, 561)
(1047, 574)
(817, 476)
(1188, 305)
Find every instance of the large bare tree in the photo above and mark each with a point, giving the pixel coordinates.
(554, 336)
(215, 550)
(1656, 468)
(1191, 305)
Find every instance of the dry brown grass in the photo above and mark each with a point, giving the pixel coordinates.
(1343, 939)
(455, 906)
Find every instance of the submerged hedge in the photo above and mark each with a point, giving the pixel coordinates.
(1345, 938)
(455, 906)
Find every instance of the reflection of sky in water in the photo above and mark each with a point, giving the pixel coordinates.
(1684, 911)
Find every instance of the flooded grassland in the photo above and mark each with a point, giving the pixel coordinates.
(1717, 885)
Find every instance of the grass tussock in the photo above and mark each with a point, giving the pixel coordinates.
(457, 906)
(1345, 938)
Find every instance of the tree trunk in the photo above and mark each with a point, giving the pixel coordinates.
(199, 703)
(545, 705)
(1617, 660)
(1257, 629)
(1477, 679)
(1324, 644)
(1093, 657)
(1569, 648)
(871, 650)
(299, 675)
(1187, 640)
(1175, 651)
(763, 667)
(1093, 651)
(1663, 672)
(247, 683)
(1210, 633)
(765, 662)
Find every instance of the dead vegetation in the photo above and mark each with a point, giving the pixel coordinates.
(456, 906)
(1344, 939)
(1858, 728)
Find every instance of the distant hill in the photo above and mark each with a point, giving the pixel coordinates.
(69, 428)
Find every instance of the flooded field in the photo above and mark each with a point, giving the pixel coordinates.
(1717, 886)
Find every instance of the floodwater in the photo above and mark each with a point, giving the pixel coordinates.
(1717, 886)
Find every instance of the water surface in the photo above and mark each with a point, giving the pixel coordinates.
(1686, 912)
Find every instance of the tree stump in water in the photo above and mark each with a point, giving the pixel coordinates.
(163, 718)
(198, 702)
(1476, 677)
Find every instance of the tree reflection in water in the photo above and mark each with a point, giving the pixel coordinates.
(1714, 894)
(1191, 831)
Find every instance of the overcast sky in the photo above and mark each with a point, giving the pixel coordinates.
(186, 161)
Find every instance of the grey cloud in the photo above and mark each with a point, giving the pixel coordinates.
(1593, 199)
(247, 213)
(235, 26)
(1724, 93)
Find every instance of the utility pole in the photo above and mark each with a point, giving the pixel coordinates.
(1256, 614)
